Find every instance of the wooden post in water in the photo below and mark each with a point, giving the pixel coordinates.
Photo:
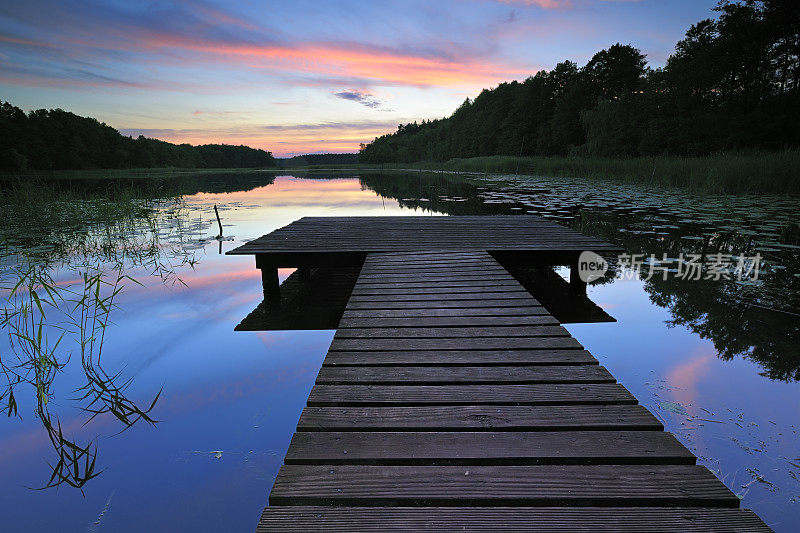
(271, 285)
(577, 287)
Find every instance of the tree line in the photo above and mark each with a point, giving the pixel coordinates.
(318, 159)
(60, 140)
(732, 83)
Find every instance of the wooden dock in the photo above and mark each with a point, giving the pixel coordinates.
(450, 399)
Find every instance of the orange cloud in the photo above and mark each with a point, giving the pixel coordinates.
(350, 61)
(287, 139)
(334, 59)
(309, 63)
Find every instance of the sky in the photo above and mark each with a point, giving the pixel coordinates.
(302, 76)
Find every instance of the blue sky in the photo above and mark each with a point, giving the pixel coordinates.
(302, 76)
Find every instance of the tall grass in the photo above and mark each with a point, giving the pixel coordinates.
(93, 238)
(39, 351)
(123, 173)
(773, 172)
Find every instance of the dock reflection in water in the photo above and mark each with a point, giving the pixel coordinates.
(691, 351)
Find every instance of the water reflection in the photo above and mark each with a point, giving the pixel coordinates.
(231, 401)
(555, 294)
(59, 298)
(754, 320)
(310, 299)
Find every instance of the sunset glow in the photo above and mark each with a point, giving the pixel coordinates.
(300, 77)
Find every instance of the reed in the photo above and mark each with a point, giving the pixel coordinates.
(96, 240)
(732, 172)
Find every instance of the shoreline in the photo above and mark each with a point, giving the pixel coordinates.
(726, 173)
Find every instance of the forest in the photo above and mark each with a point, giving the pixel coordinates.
(318, 160)
(60, 140)
(732, 84)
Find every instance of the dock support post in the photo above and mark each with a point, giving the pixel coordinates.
(577, 287)
(305, 273)
(271, 285)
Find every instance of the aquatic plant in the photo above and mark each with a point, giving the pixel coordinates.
(729, 172)
(35, 360)
(50, 322)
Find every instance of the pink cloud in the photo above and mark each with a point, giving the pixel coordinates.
(544, 4)
(685, 376)
(202, 44)
(281, 139)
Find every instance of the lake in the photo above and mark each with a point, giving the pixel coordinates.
(716, 360)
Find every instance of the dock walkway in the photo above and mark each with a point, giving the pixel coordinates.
(450, 399)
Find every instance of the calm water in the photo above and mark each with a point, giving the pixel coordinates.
(717, 361)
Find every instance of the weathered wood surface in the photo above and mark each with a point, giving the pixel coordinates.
(440, 375)
(344, 519)
(478, 417)
(414, 234)
(451, 400)
(514, 310)
(476, 448)
(523, 485)
(431, 322)
(444, 358)
(416, 332)
(508, 393)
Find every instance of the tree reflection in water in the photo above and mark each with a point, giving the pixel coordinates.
(758, 321)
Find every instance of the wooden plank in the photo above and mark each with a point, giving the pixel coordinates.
(448, 321)
(478, 417)
(426, 257)
(405, 375)
(442, 304)
(393, 242)
(363, 227)
(488, 343)
(408, 274)
(344, 519)
(539, 485)
(433, 234)
(421, 233)
(438, 268)
(454, 272)
(488, 268)
(379, 260)
(528, 394)
(448, 263)
(451, 284)
(356, 226)
(423, 255)
(434, 278)
(480, 272)
(470, 332)
(449, 295)
(461, 357)
(297, 247)
(382, 291)
(515, 310)
(486, 448)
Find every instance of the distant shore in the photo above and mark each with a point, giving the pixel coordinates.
(757, 172)
(726, 173)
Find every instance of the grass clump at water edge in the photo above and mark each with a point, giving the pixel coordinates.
(757, 172)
